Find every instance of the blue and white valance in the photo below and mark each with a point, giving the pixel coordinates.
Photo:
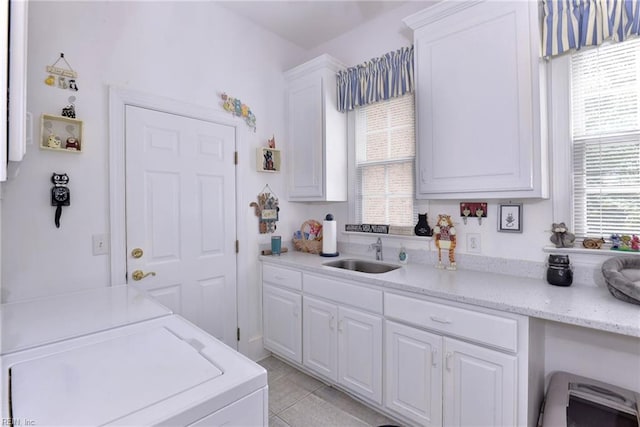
(573, 24)
(382, 78)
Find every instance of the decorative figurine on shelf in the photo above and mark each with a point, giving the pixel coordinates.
(54, 141)
(445, 235)
(590, 243)
(561, 237)
(268, 161)
(615, 241)
(635, 243)
(72, 144)
(271, 143)
(422, 227)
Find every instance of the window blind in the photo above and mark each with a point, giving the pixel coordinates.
(385, 158)
(605, 99)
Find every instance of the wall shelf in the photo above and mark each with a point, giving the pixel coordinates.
(268, 160)
(58, 133)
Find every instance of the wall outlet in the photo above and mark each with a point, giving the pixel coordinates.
(473, 243)
(100, 244)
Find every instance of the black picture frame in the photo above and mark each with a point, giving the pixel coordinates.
(510, 217)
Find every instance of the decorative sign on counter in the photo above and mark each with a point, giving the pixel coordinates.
(368, 228)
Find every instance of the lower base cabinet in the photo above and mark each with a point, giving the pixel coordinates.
(344, 345)
(413, 373)
(282, 322)
(434, 380)
(443, 363)
(479, 386)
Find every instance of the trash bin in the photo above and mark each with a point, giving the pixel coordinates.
(575, 401)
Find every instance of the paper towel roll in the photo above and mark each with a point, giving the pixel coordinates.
(329, 233)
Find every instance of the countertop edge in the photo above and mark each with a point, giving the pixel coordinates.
(528, 306)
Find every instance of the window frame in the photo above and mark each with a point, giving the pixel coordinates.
(560, 140)
(352, 175)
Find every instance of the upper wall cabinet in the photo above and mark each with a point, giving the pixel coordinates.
(480, 119)
(317, 151)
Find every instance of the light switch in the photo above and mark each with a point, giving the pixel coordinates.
(100, 244)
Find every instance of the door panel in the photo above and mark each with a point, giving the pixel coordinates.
(479, 386)
(282, 324)
(414, 373)
(180, 210)
(360, 353)
(320, 337)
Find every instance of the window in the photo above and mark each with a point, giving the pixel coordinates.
(385, 162)
(605, 129)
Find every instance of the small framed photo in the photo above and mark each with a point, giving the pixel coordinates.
(510, 217)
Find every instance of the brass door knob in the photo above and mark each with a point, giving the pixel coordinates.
(139, 275)
(137, 253)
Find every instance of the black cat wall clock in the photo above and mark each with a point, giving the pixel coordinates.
(60, 194)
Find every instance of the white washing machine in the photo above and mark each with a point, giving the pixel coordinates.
(125, 361)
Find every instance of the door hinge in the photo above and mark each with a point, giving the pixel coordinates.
(237, 246)
(235, 158)
(238, 333)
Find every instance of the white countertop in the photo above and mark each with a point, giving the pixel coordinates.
(589, 306)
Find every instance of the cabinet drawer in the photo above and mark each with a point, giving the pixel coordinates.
(497, 331)
(282, 277)
(344, 293)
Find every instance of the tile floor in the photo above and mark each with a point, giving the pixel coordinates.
(298, 400)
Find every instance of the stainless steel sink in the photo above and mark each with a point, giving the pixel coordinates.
(362, 266)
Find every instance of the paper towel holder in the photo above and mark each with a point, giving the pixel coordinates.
(329, 237)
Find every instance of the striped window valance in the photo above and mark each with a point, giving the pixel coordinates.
(381, 78)
(573, 24)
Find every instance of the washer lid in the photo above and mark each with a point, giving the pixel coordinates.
(45, 320)
(99, 383)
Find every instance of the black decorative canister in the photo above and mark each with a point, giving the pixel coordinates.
(559, 270)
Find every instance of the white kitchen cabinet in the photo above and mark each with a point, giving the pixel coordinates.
(282, 322)
(13, 74)
(320, 337)
(434, 378)
(360, 353)
(413, 373)
(479, 386)
(317, 133)
(344, 345)
(479, 103)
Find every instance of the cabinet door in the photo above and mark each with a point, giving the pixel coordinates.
(477, 133)
(360, 353)
(479, 386)
(413, 374)
(306, 138)
(320, 350)
(282, 322)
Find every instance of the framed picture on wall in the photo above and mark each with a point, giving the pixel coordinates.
(510, 217)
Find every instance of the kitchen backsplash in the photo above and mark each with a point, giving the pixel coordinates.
(584, 273)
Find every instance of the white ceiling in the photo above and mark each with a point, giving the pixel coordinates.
(309, 23)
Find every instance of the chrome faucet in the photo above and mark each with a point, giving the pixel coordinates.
(378, 247)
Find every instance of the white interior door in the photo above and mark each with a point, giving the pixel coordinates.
(180, 211)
